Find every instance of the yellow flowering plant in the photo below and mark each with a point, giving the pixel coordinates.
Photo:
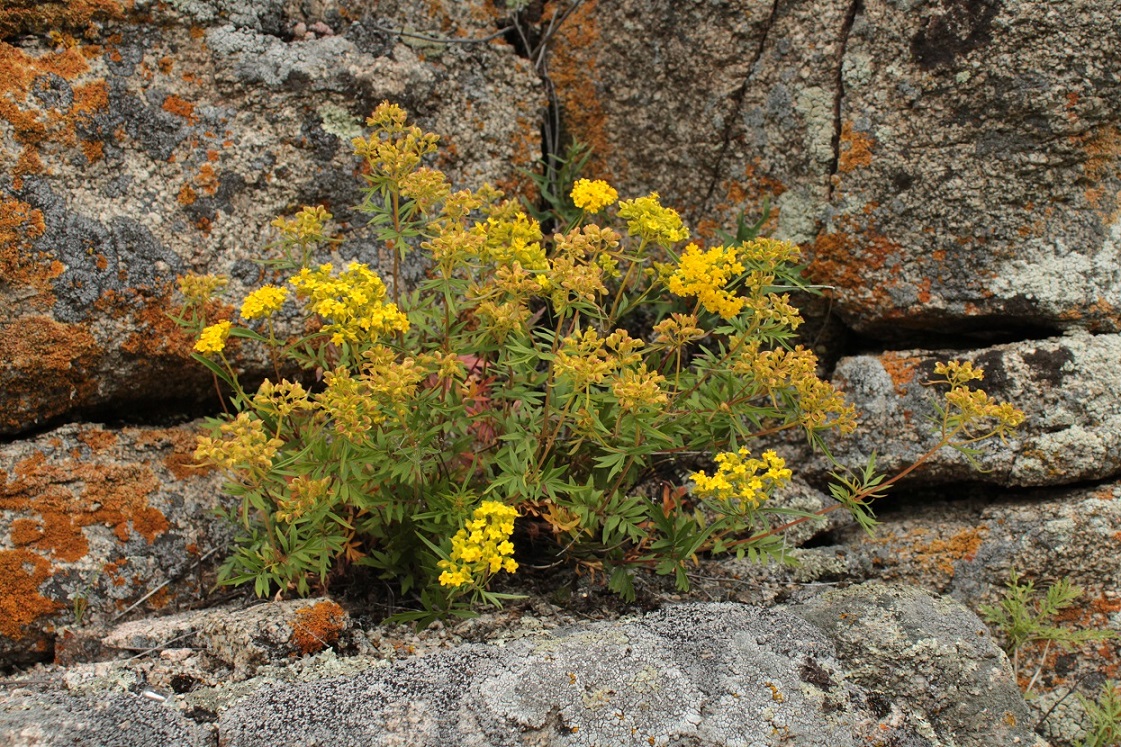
(544, 379)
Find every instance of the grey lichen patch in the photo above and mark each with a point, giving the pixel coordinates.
(339, 122)
(702, 674)
(931, 654)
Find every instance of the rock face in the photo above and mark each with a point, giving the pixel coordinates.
(703, 674)
(137, 145)
(949, 165)
(94, 519)
(1067, 386)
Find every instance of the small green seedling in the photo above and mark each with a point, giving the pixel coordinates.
(1023, 618)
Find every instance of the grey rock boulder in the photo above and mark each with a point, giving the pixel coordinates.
(928, 658)
(95, 520)
(1068, 387)
(121, 719)
(948, 165)
(167, 143)
(700, 674)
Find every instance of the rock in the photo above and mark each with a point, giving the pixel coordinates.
(266, 633)
(708, 674)
(1068, 388)
(927, 660)
(168, 141)
(93, 519)
(966, 544)
(949, 166)
(118, 719)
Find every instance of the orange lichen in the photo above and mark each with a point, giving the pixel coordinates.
(20, 225)
(48, 365)
(181, 108)
(97, 439)
(901, 369)
(1102, 146)
(181, 460)
(856, 148)
(35, 126)
(316, 627)
(526, 146)
(20, 601)
(574, 70)
(187, 195)
(19, 17)
(25, 532)
(69, 495)
(207, 179)
(922, 552)
(847, 256)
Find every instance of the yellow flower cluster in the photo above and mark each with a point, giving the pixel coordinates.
(742, 479)
(353, 303)
(305, 226)
(512, 236)
(394, 150)
(198, 289)
(706, 275)
(390, 384)
(639, 389)
(303, 494)
(281, 399)
(647, 219)
(482, 547)
(263, 302)
(593, 196)
(792, 374)
(246, 445)
(213, 338)
(586, 358)
(975, 407)
(426, 187)
(677, 330)
(345, 404)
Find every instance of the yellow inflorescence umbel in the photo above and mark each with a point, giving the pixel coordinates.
(263, 302)
(647, 219)
(213, 338)
(353, 303)
(593, 195)
(740, 478)
(706, 275)
(305, 225)
(482, 547)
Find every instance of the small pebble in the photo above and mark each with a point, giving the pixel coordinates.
(299, 30)
(177, 654)
(322, 29)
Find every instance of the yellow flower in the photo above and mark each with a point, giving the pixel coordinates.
(593, 196)
(482, 546)
(706, 275)
(741, 480)
(213, 338)
(198, 289)
(352, 303)
(647, 219)
(305, 226)
(263, 302)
